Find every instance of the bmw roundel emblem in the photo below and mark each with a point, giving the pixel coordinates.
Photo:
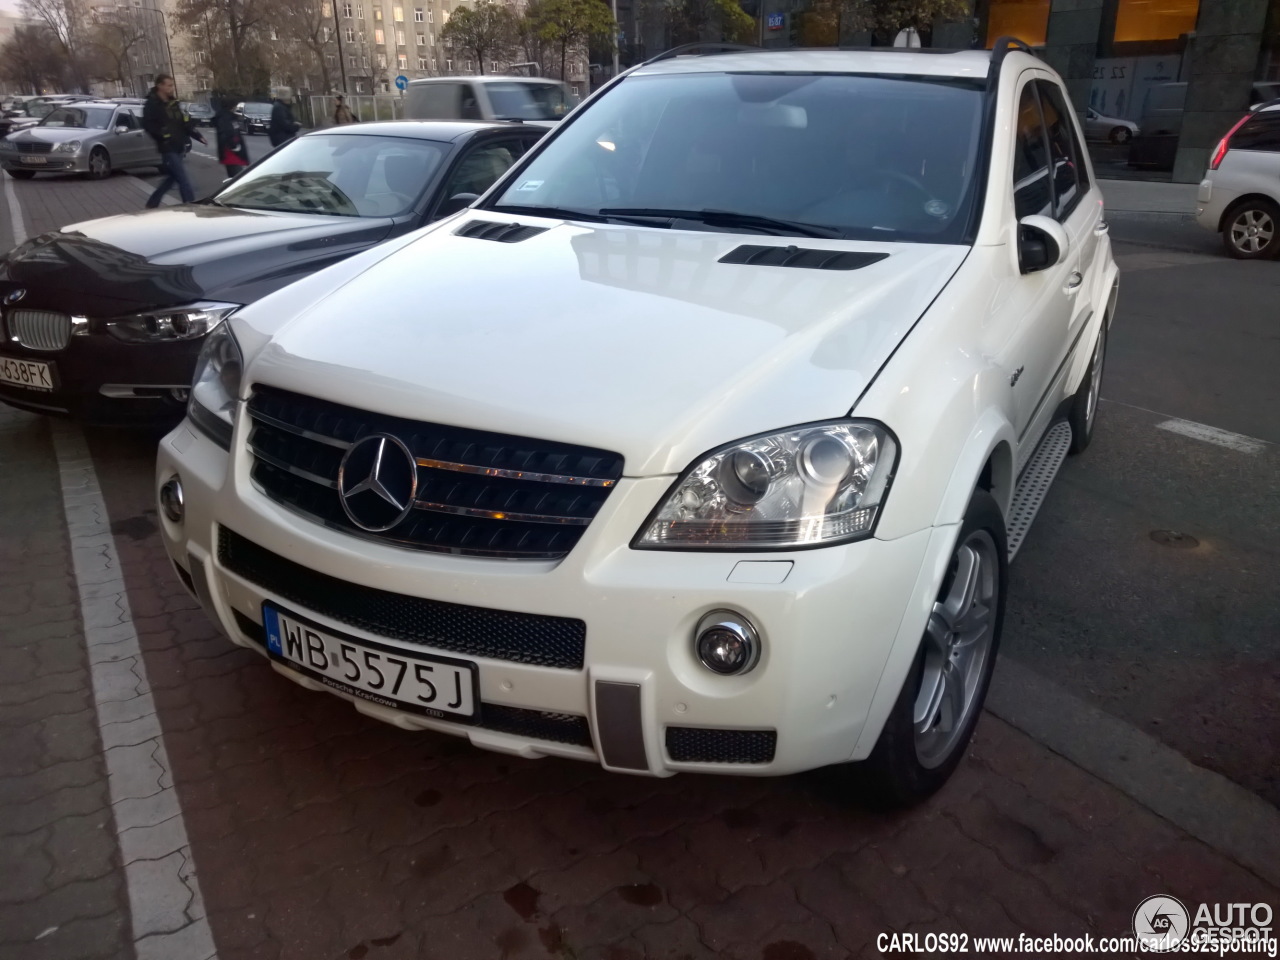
(13, 296)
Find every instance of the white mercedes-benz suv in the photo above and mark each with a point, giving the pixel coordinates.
(701, 442)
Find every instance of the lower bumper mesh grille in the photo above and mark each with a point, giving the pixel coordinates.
(698, 745)
(473, 631)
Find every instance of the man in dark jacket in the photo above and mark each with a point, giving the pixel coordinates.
(172, 130)
(282, 126)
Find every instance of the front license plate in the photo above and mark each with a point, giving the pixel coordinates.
(31, 374)
(435, 686)
(35, 159)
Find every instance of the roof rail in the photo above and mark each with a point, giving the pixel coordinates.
(704, 46)
(999, 50)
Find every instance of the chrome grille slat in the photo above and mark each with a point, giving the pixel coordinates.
(39, 329)
(479, 493)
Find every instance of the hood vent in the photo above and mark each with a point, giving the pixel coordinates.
(502, 232)
(759, 256)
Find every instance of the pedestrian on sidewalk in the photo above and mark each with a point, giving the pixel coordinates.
(172, 130)
(283, 126)
(233, 152)
(342, 113)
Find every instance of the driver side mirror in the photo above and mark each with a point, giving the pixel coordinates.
(459, 201)
(121, 128)
(1042, 243)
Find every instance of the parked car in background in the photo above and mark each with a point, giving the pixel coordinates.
(92, 137)
(1156, 146)
(1114, 129)
(534, 99)
(695, 445)
(253, 116)
(103, 320)
(1239, 196)
(200, 113)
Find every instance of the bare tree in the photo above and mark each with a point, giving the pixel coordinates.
(111, 40)
(485, 31)
(66, 20)
(232, 32)
(33, 57)
(305, 28)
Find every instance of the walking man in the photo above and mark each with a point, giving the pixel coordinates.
(169, 127)
(282, 126)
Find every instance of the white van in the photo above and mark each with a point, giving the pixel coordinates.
(536, 99)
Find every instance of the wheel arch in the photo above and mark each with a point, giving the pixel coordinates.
(1240, 201)
(986, 461)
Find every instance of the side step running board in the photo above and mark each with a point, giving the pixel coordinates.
(1035, 482)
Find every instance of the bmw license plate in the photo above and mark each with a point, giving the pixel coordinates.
(32, 374)
(435, 686)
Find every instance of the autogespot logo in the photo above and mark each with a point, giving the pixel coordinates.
(378, 482)
(1160, 923)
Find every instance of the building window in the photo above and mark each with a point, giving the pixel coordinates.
(419, 16)
(398, 14)
(434, 61)
(400, 37)
(382, 61)
(360, 36)
(1025, 19)
(326, 10)
(448, 65)
(468, 66)
(402, 61)
(386, 86)
(431, 16)
(326, 34)
(360, 10)
(1137, 20)
(377, 14)
(351, 62)
(422, 63)
(378, 36)
(346, 11)
(349, 35)
(422, 39)
(359, 86)
(493, 67)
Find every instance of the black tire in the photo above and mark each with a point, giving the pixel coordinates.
(1120, 135)
(1083, 415)
(894, 775)
(21, 174)
(1262, 216)
(99, 164)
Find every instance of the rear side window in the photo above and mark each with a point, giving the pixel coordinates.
(1031, 193)
(435, 101)
(1070, 182)
(1262, 132)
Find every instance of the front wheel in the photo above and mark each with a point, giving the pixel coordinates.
(1251, 231)
(1121, 135)
(932, 721)
(99, 165)
(21, 174)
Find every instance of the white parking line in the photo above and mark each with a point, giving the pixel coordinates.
(15, 213)
(165, 905)
(1202, 431)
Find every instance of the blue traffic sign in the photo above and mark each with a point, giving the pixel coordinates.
(777, 21)
(402, 82)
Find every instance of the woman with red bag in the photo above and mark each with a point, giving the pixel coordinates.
(233, 153)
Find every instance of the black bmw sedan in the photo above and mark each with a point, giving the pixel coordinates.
(103, 320)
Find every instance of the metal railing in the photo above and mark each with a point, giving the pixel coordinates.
(366, 107)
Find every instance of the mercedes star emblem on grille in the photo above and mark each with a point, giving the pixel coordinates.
(378, 482)
(13, 296)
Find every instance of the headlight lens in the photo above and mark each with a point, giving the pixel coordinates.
(216, 385)
(67, 146)
(808, 486)
(174, 323)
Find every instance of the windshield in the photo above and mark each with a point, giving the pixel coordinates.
(530, 101)
(257, 109)
(864, 157)
(42, 109)
(92, 118)
(341, 175)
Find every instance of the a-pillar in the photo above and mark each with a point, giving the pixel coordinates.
(1223, 61)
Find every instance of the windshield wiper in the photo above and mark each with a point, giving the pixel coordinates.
(559, 213)
(727, 218)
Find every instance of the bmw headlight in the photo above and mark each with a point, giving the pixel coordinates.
(67, 146)
(216, 385)
(809, 486)
(173, 323)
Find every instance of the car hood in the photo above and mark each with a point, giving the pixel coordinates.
(154, 258)
(633, 340)
(38, 134)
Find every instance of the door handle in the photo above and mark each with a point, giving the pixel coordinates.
(1101, 227)
(1074, 283)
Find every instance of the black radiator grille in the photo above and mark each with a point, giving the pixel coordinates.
(479, 493)
(698, 745)
(473, 631)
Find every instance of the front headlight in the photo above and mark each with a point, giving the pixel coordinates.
(7, 145)
(67, 146)
(173, 323)
(216, 385)
(808, 486)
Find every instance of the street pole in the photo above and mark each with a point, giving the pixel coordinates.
(614, 5)
(337, 35)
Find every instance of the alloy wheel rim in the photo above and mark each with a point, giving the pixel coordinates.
(1095, 385)
(1252, 231)
(957, 644)
(97, 164)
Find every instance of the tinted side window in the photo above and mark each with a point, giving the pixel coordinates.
(1031, 193)
(1069, 179)
(1260, 133)
(470, 105)
(482, 165)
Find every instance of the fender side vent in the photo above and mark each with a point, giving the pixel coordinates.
(759, 256)
(502, 232)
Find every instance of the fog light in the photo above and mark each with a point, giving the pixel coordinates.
(726, 643)
(171, 501)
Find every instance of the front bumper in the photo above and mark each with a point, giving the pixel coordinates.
(839, 631)
(99, 379)
(52, 163)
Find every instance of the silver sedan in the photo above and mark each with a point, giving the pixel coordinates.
(93, 137)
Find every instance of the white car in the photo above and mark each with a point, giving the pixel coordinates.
(1115, 129)
(700, 443)
(1239, 196)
